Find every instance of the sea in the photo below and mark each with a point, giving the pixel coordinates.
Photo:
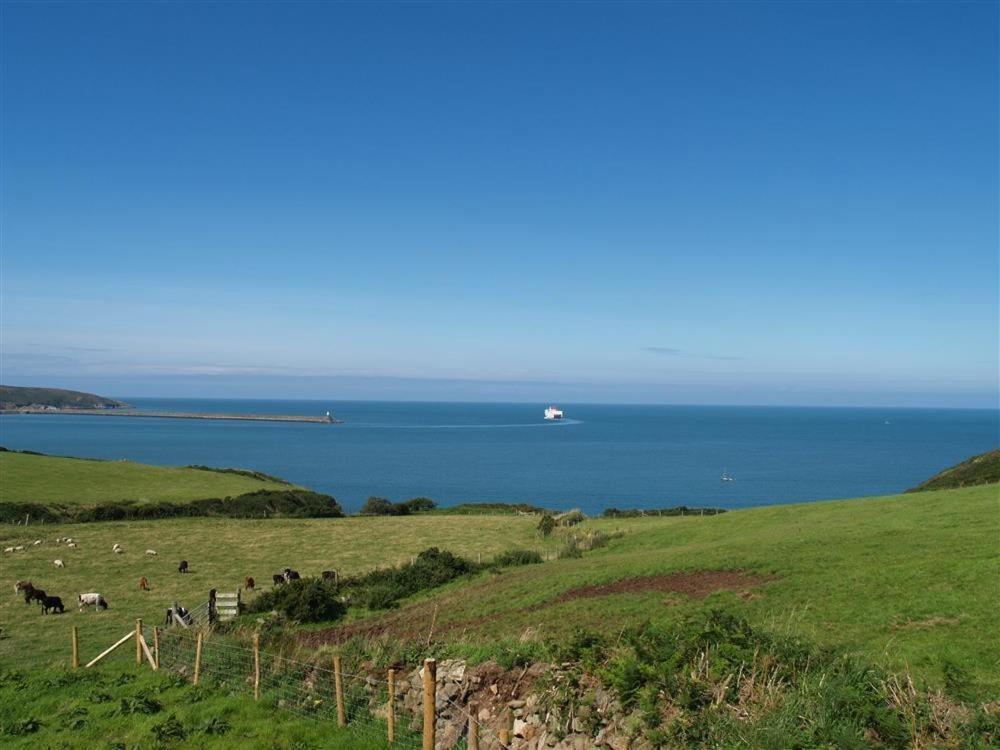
(599, 456)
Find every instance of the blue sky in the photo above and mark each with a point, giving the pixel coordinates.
(789, 203)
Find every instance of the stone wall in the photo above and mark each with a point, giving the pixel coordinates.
(519, 700)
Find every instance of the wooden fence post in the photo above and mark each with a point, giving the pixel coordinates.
(76, 649)
(473, 743)
(156, 646)
(430, 714)
(197, 658)
(256, 666)
(338, 684)
(390, 708)
(138, 642)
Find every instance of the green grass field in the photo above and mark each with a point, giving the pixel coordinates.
(129, 708)
(907, 581)
(221, 552)
(50, 479)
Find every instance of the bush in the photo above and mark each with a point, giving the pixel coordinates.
(546, 525)
(570, 518)
(514, 557)
(379, 506)
(420, 504)
(432, 567)
(304, 600)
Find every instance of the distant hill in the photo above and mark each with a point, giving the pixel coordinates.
(981, 469)
(54, 489)
(16, 397)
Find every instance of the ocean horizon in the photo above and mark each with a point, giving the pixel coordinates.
(601, 455)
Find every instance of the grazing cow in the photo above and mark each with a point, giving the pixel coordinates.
(33, 595)
(151, 552)
(291, 575)
(92, 600)
(143, 584)
(53, 603)
(249, 583)
(278, 579)
(20, 586)
(183, 567)
(329, 575)
(59, 563)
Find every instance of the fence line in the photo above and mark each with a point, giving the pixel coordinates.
(309, 690)
(363, 705)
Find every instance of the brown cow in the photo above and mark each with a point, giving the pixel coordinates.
(249, 583)
(143, 584)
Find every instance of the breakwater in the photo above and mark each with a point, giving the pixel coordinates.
(325, 419)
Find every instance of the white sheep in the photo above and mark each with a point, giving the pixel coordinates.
(59, 563)
(19, 548)
(36, 542)
(116, 547)
(71, 545)
(151, 552)
(119, 551)
(8, 549)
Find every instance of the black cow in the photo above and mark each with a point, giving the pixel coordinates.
(278, 579)
(33, 594)
(291, 575)
(183, 567)
(329, 575)
(53, 603)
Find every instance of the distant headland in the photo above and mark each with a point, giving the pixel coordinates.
(57, 401)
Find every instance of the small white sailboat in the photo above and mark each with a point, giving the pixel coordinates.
(725, 477)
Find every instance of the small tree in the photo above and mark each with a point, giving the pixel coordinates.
(546, 525)
(378, 506)
(419, 504)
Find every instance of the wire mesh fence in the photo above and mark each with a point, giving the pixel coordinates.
(359, 706)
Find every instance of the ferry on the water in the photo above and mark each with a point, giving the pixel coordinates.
(553, 413)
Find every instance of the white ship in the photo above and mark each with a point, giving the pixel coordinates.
(553, 413)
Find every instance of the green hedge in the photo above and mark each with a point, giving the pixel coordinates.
(261, 504)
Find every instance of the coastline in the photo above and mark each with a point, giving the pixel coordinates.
(176, 415)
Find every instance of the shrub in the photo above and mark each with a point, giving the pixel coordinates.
(546, 525)
(432, 567)
(420, 504)
(304, 600)
(379, 506)
(570, 518)
(514, 557)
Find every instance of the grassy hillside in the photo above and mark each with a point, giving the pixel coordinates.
(905, 580)
(981, 469)
(51, 488)
(221, 552)
(111, 708)
(13, 397)
(51, 479)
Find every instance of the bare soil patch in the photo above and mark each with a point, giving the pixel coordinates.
(696, 584)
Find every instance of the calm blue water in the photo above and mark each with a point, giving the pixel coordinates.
(628, 456)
